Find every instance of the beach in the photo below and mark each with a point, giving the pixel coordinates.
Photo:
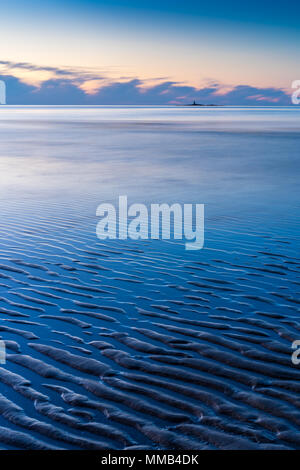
(141, 344)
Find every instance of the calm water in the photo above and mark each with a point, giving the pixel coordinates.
(230, 157)
(119, 343)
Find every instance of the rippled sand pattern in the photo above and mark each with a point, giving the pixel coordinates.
(122, 344)
(126, 345)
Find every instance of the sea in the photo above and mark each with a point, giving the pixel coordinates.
(142, 344)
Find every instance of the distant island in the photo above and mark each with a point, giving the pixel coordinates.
(198, 104)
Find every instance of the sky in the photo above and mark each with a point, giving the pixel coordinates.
(149, 52)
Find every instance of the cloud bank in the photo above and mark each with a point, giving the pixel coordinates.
(69, 87)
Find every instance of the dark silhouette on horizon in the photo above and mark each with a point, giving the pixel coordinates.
(199, 104)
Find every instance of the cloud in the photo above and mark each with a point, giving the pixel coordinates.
(69, 89)
(9, 65)
(78, 74)
(248, 95)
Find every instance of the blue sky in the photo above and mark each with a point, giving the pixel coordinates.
(152, 52)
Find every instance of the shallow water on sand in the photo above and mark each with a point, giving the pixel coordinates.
(114, 344)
